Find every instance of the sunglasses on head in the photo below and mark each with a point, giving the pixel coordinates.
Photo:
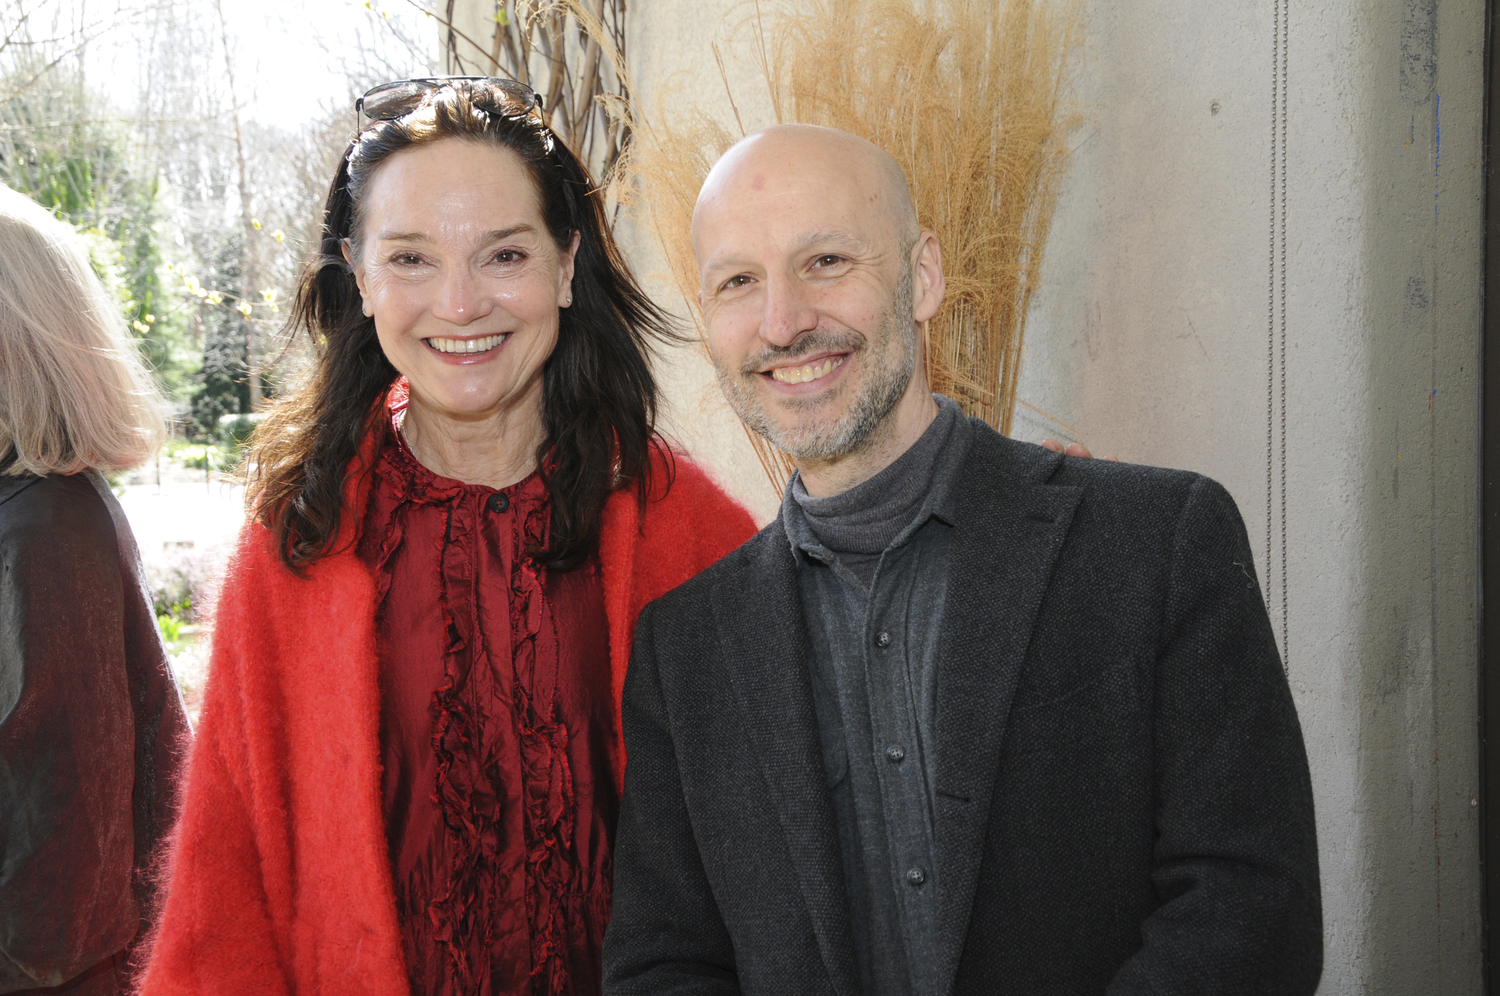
(389, 101)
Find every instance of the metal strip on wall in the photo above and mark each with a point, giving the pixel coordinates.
(1276, 597)
(1489, 503)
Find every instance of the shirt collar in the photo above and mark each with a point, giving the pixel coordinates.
(798, 532)
(941, 502)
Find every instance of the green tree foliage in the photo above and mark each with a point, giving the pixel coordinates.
(57, 150)
(223, 387)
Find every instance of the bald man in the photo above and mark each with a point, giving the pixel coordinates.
(970, 716)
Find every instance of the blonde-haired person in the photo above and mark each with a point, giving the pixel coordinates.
(90, 718)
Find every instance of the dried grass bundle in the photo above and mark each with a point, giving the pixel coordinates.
(967, 95)
(572, 52)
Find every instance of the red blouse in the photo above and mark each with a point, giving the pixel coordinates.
(496, 721)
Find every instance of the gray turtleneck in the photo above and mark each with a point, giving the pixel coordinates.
(872, 567)
(858, 525)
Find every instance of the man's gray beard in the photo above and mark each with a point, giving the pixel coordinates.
(824, 441)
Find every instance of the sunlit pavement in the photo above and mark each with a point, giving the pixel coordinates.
(179, 515)
(179, 525)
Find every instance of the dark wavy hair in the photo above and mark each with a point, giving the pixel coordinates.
(599, 398)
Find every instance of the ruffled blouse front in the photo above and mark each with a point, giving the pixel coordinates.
(496, 725)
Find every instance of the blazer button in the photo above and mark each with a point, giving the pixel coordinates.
(499, 501)
(915, 877)
(882, 639)
(895, 754)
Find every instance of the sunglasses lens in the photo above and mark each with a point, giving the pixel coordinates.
(393, 100)
(505, 96)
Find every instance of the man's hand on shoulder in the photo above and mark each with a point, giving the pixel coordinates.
(1072, 449)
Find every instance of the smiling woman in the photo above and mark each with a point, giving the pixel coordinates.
(408, 769)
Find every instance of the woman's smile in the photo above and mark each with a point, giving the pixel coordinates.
(473, 349)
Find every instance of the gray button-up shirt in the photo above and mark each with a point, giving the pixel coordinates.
(874, 637)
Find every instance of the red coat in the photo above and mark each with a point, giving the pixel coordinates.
(280, 877)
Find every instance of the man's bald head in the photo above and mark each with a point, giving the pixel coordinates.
(794, 152)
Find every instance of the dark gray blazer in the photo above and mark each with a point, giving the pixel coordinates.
(1123, 803)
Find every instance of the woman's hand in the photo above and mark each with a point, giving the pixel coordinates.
(1072, 449)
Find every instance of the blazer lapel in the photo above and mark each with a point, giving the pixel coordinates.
(1010, 528)
(764, 635)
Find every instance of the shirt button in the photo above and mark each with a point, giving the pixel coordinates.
(882, 639)
(895, 754)
(499, 501)
(915, 877)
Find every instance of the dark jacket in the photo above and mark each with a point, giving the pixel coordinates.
(91, 726)
(1122, 795)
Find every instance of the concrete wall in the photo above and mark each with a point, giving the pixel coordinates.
(1159, 335)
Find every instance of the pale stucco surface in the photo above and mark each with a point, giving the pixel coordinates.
(1150, 337)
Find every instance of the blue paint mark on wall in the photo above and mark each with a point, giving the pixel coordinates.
(1437, 156)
